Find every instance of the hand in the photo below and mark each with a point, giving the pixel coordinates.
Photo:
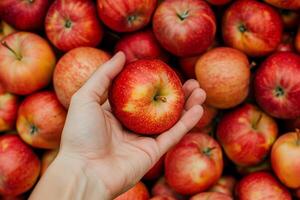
(115, 156)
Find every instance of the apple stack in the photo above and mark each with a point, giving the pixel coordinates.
(243, 53)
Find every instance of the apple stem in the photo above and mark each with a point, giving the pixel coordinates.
(242, 28)
(252, 64)
(160, 98)
(298, 137)
(183, 15)
(33, 129)
(19, 57)
(207, 150)
(257, 121)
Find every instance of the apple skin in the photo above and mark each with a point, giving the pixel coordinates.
(162, 198)
(211, 196)
(41, 119)
(80, 28)
(290, 18)
(185, 28)
(74, 69)
(246, 27)
(5, 29)
(37, 58)
(161, 188)
(285, 4)
(297, 40)
(285, 159)
(292, 124)
(126, 15)
(47, 158)
(263, 166)
(277, 86)
(141, 45)
(147, 97)
(194, 164)
(287, 43)
(156, 170)
(225, 185)
(187, 65)
(19, 166)
(24, 15)
(232, 81)
(247, 135)
(297, 193)
(209, 113)
(138, 192)
(218, 2)
(261, 186)
(12, 197)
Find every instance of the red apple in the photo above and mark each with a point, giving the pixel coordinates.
(277, 86)
(141, 45)
(297, 193)
(285, 159)
(19, 166)
(252, 27)
(290, 18)
(147, 97)
(194, 164)
(218, 2)
(187, 65)
(9, 104)
(74, 69)
(41, 119)
(224, 74)
(263, 166)
(285, 4)
(287, 43)
(126, 15)
(73, 23)
(162, 198)
(161, 188)
(47, 159)
(297, 40)
(247, 135)
(156, 170)
(138, 192)
(12, 198)
(292, 124)
(209, 113)
(5, 29)
(211, 196)
(25, 14)
(261, 186)
(27, 63)
(225, 185)
(185, 28)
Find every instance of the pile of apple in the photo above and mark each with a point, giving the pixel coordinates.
(243, 53)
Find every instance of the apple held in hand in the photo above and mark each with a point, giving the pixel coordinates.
(277, 85)
(252, 27)
(24, 15)
(286, 4)
(185, 28)
(261, 186)
(147, 97)
(141, 45)
(209, 113)
(47, 159)
(138, 192)
(27, 63)
(73, 23)
(247, 135)
(194, 164)
(19, 166)
(5, 29)
(126, 15)
(74, 69)
(211, 196)
(285, 159)
(224, 74)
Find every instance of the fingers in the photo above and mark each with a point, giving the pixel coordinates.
(171, 137)
(198, 96)
(189, 86)
(95, 88)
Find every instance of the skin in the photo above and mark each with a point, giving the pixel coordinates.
(232, 81)
(211, 196)
(47, 159)
(138, 192)
(187, 65)
(162, 198)
(286, 4)
(5, 29)
(80, 63)
(185, 28)
(93, 139)
(247, 135)
(156, 171)
(80, 28)
(124, 15)
(9, 105)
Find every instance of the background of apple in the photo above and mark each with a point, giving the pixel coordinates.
(244, 54)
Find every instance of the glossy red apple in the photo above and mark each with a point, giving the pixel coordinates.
(285, 159)
(225, 185)
(290, 18)
(286, 4)
(47, 159)
(277, 86)
(261, 186)
(156, 170)
(9, 105)
(297, 40)
(211, 196)
(26, 14)
(27, 63)
(252, 27)
(218, 2)
(19, 166)
(41, 119)
(287, 43)
(194, 164)
(247, 135)
(185, 28)
(5, 29)
(162, 198)
(126, 15)
(138, 192)
(187, 65)
(224, 74)
(74, 69)
(147, 97)
(73, 23)
(161, 188)
(209, 113)
(141, 45)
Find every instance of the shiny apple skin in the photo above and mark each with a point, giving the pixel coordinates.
(137, 192)
(286, 4)
(211, 196)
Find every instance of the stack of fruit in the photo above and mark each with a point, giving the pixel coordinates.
(243, 53)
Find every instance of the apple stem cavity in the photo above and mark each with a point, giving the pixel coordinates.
(160, 98)
(183, 16)
(33, 129)
(242, 28)
(19, 57)
(207, 150)
(257, 121)
(68, 23)
(279, 91)
(131, 18)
